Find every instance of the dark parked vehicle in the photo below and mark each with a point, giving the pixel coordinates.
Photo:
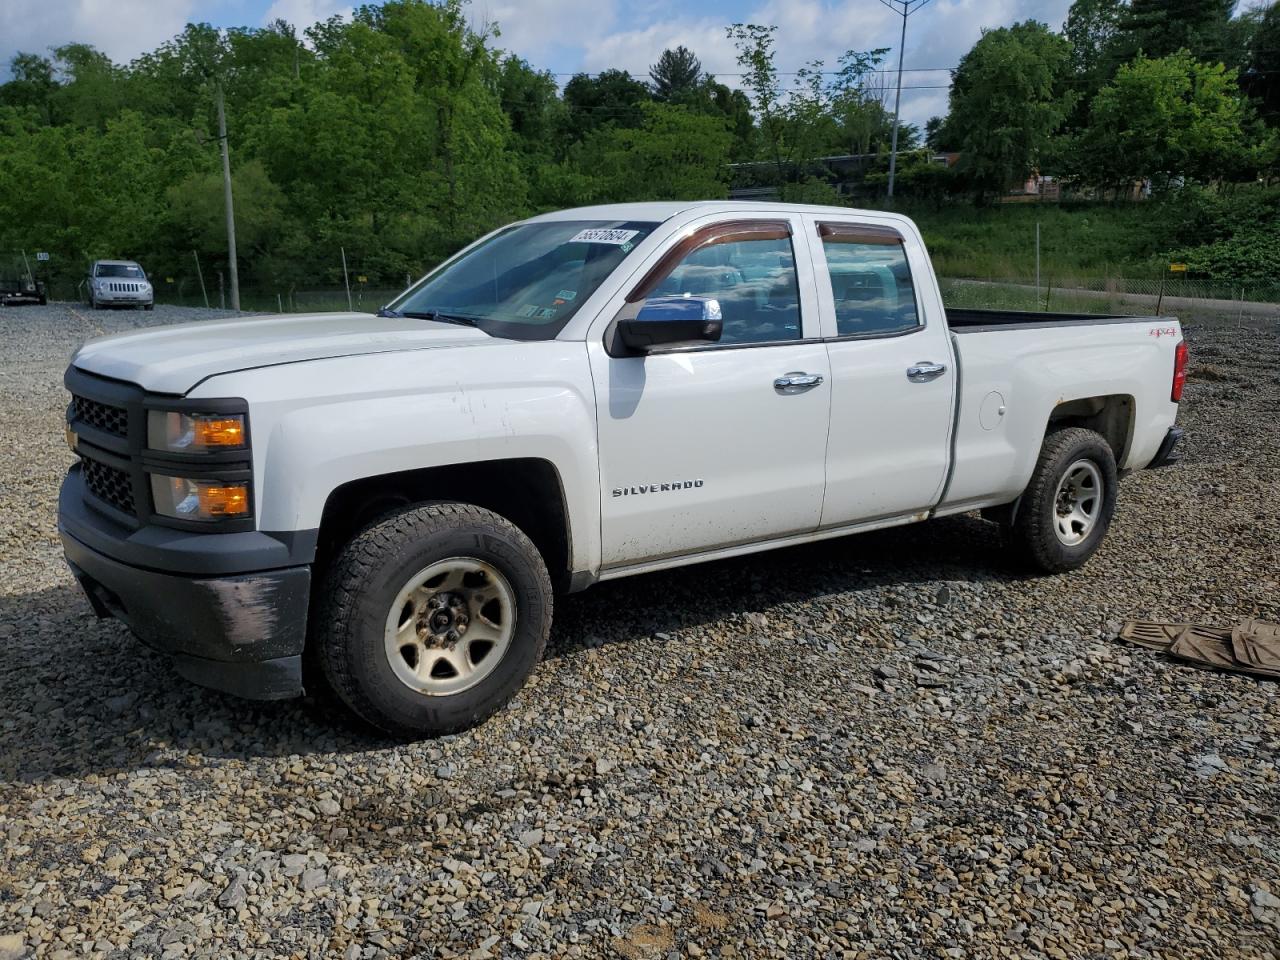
(22, 290)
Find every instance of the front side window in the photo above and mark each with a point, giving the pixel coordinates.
(527, 281)
(870, 280)
(752, 273)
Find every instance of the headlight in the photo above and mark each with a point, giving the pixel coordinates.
(184, 499)
(195, 432)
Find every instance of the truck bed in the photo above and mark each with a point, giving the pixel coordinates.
(972, 320)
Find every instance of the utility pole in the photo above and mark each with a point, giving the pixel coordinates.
(904, 9)
(226, 192)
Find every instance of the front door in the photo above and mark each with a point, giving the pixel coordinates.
(703, 447)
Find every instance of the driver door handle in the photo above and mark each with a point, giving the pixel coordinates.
(797, 382)
(925, 371)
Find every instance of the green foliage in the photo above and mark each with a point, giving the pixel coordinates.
(676, 75)
(919, 179)
(401, 132)
(1160, 28)
(1076, 240)
(1091, 28)
(1262, 75)
(1249, 258)
(609, 98)
(1163, 119)
(676, 154)
(1230, 238)
(816, 116)
(196, 213)
(1007, 102)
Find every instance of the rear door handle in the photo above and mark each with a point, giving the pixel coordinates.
(797, 382)
(923, 372)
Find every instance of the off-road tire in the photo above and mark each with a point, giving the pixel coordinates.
(1033, 531)
(361, 584)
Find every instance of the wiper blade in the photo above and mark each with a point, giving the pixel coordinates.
(388, 312)
(457, 318)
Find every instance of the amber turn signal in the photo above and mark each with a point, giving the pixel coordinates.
(224, 501)
(196, 432)
(185, 499)
(219, 432)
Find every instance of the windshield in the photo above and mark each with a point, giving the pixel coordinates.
(527, 281)
(130, 270)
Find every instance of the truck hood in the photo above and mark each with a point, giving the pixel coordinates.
(173, 359)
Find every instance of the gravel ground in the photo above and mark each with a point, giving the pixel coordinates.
(890, 746)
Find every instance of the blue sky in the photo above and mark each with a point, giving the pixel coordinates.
(571, 35)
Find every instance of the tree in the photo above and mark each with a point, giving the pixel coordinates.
(755, 55)
(31, 85)
(1262, 75)
(1091, 27)
(933, 138)
(718, 100)
(1007, 102)
(816, 116)
(1159, 28)
(612, 97)
(676, 75)
(858, 107)
(532, 104)
(676, 154)
(194, 207)
(1162, 119)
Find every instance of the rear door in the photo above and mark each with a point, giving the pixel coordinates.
(893, 377)
(700, 447)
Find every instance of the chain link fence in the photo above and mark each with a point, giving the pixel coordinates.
(1074, 293)
(364, 297)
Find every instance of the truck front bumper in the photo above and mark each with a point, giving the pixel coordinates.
(242, 633)
(122, 298)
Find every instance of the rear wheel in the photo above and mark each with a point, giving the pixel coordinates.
(1067, 507)
(433, 618)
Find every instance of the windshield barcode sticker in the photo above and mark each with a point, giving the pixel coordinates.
(602, 235)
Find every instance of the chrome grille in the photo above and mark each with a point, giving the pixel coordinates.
(118, 286)
(103, 416)
(108, 484)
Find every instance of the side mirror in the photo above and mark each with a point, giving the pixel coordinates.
(662, 321)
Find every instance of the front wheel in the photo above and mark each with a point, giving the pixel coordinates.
(433, 618)
(1067, 507)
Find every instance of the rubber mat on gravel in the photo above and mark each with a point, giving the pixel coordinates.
(1252, 647)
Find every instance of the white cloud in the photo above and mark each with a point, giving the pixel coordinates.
(550, 34)
(122, 29)
(304, 13)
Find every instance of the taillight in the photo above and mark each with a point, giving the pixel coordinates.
(1179, 371)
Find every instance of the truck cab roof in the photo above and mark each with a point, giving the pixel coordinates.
(660, 211)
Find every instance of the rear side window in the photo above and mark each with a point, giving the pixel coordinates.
(870, 280)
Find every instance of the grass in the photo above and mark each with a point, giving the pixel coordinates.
(996, 296)
(1076, 240)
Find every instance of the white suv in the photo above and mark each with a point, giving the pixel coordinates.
(116, 283)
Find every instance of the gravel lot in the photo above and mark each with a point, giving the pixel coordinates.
(889, 746)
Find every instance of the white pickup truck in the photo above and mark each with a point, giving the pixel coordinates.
(394, 500)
